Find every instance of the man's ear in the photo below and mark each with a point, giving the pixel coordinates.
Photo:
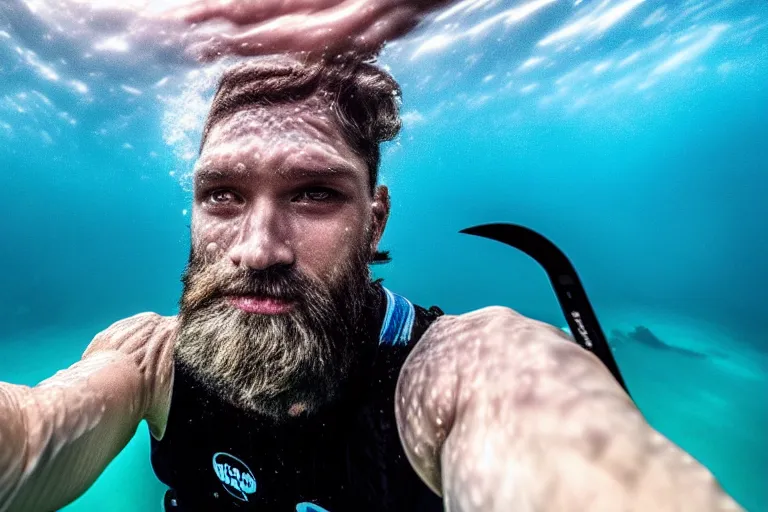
(380, 216)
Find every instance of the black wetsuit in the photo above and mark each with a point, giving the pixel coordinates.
(215, 457)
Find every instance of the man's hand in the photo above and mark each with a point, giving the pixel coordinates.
(316, 27)
(500, 412)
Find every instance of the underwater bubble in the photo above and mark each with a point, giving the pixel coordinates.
(112, 44)
(131, 90)
(79, 86)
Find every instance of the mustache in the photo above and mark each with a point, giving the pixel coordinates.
(206, 284)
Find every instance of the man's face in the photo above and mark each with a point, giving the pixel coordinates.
(283, 226)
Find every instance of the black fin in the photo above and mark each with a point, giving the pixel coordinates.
(571, 295)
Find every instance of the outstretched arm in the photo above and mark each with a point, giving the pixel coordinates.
(500, 412)
(57, 437)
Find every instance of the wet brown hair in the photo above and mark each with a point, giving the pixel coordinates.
(364, 99)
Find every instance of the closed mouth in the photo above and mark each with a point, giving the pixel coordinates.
(260, 304)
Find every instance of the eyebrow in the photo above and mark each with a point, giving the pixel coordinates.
(216, 174)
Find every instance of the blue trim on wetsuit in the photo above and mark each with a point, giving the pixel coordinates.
(398, 320)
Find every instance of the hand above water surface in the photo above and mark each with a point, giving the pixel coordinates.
(315, 27)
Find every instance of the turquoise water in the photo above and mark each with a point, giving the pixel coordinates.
(633, 134)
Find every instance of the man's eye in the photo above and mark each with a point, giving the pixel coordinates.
(318, 195)
(220, 197)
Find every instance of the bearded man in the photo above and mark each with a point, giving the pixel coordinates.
(290, 380)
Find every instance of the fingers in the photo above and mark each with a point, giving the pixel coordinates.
(314, 27)
(198, 11)
(241, 12)
(137, 336)
(361, 26)
(246, 12)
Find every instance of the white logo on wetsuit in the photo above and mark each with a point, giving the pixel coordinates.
(235, 475)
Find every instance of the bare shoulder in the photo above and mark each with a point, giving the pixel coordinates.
(492, 325)
(147, 339)
(461, 363)
(468, 351)
(482, 356)
(140, 333)
(477, 346)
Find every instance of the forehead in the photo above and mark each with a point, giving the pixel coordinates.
(299, 134)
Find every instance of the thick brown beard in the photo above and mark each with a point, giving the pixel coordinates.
(273, 364)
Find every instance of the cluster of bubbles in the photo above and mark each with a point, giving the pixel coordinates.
(184, 115)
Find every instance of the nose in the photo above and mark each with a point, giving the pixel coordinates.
(263, 241)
